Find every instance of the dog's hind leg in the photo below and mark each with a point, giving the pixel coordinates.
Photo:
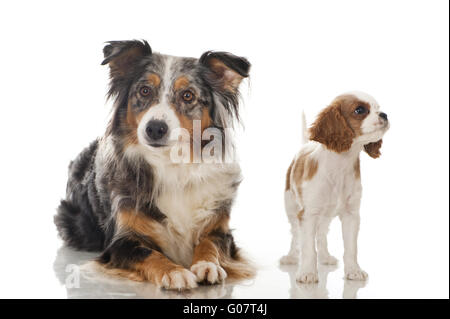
(292, 211)
(307, 272)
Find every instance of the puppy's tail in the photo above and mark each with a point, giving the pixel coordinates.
(305, 134)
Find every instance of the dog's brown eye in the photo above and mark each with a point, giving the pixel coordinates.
(360, 110)
(188, 96)
(145, 91)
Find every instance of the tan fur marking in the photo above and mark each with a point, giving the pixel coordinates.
(188, 124)
(206, 250)
(155, 266)
(152, 269)
(310, 168)
(288, 177)
(300, 215)
(131, 220)
(154, 79)
(132, 123)
(356, 169)
(206, 119)
(132, 120)
(181, 83)
(230, 78)
(299, 174)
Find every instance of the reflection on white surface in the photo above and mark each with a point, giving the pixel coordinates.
(80, 282)
(319, 290)
(101, 286)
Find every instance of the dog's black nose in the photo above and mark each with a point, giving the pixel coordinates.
(156, 129)
(383, 116)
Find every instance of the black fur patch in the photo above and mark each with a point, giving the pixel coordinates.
(225, 242)
(114, 49)
(78, 228)
(78, 218)
(229, 99)
(237, 64)
(124, 253)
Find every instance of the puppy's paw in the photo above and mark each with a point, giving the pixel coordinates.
(289, 260)
(328, 260)
(307, 277)
(356, 273)
(178, 279)
(209, 272)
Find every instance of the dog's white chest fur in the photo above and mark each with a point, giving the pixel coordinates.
(189, 196)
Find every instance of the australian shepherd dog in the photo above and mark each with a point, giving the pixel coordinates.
(153, 195)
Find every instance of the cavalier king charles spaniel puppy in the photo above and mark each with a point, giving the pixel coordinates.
(323, 181)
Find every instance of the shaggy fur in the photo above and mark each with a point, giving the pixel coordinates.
(153, 219)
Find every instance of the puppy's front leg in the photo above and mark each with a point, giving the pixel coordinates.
(350, 229)
(205, 264)
(308, 268)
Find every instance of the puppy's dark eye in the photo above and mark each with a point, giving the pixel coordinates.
(188, 96)
(360, 110)
(145, 91)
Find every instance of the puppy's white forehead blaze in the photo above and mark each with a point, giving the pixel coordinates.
(374, 106)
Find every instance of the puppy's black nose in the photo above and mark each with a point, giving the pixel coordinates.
(156, 129)
(383, 116)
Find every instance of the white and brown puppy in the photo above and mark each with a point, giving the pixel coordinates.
(323, 181)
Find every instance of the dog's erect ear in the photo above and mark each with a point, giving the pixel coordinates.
(332, 130)
(226, 70)
(373, 149)
(123, 55)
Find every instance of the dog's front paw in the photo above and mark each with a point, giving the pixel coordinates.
(356, 273)
(178, 279)
(209, 272)
(307, 277)
(289, 260)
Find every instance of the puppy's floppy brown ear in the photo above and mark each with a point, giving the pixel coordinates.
(122, 56)
(373, 149)
(225, 71)
(332, 130)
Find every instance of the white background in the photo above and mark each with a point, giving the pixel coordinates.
(303, 54)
